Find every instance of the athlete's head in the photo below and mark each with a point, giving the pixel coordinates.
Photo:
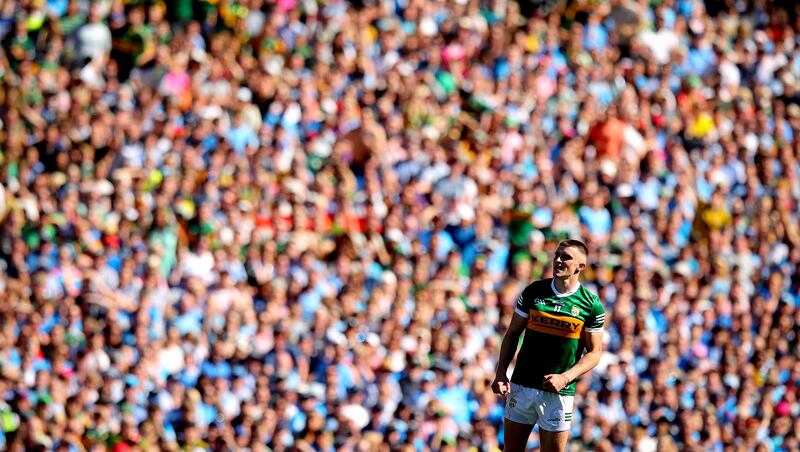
(569, 259)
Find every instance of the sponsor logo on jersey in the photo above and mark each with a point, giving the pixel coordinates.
(547, 300)
(555, 325)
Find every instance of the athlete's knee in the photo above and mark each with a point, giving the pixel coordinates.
(515, 437)
(515, 444)
(552, 441)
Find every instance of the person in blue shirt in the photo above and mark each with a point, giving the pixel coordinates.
(217, 366)
(241, 136)
(455, 397)
(596, 217)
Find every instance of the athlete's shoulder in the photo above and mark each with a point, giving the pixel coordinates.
(595, 305)
(529, 295)
(587, 293)
(539, 287)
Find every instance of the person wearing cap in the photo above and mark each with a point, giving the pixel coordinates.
(560, 319)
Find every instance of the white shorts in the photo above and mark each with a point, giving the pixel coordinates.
(551, 411)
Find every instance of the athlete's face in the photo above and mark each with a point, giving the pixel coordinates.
(567, 262)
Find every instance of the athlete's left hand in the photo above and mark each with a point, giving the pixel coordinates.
(555, 382)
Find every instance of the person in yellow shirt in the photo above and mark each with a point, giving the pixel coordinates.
(716, 215)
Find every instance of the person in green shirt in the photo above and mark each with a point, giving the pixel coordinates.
(21, 45)
(181, 10)
(73, 19)
(134, 45)
(164, 236)
(520, 224)
(560, 319)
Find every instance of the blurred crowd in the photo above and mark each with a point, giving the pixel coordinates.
(302, 224)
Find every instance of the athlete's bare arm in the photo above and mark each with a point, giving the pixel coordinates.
(594, 348)
(500, 385)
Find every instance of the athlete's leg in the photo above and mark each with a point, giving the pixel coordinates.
(555, 419)
(515, 436)
(553, 441)
(519, 419)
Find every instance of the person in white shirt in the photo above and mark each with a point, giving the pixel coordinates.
(94, 37)
(661, 41)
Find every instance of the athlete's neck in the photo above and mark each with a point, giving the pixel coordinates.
(566, 285)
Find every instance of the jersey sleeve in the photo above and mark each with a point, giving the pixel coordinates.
(597, 319)
(523, 305)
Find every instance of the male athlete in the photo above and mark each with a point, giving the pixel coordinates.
(560, 317)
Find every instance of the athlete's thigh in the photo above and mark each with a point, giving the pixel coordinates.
(553, 441)
(515, 436)
(520, 417)
(554, 419)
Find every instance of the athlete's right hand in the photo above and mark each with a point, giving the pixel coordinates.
(500, 385)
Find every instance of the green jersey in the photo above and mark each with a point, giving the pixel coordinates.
(553, 340)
